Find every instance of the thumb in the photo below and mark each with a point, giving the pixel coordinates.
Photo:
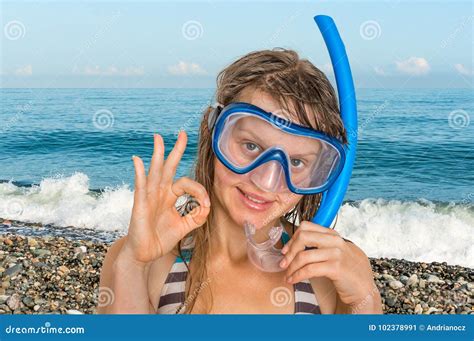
(197, 217)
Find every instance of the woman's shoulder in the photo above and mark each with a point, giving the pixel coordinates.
(156, 271)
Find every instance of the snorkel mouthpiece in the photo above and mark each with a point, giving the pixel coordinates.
(264, 256)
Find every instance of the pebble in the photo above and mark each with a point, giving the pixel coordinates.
(388, 277)
(63, 270)
(391, 300)
(32, 242)
(433, 279)
(412, 281)
(13, 302)
(395, 285)
(73, 312)
(418, 309)
(28, 301)
(431, 310)
(3, 298)
(14, 270)
(404, 279)
(41, 252)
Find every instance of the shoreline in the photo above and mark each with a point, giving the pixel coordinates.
(58, 275)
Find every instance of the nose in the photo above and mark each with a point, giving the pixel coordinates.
(269, 177)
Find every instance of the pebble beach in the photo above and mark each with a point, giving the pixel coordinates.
(47, 274)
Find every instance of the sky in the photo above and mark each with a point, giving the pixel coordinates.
(64, 44)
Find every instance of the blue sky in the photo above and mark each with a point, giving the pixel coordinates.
(185, 44)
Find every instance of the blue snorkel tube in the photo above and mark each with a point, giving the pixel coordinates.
(332, 198)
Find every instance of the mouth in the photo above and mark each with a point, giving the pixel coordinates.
(254, 201)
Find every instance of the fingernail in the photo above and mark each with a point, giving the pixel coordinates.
(283, 263)
(133, 156)
(285, 249)
(289, 279)
(207, 202)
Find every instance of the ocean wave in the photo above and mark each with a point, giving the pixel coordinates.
(419, 230)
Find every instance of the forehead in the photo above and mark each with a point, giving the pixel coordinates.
(266, 102)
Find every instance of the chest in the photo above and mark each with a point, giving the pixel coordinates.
(246, 292)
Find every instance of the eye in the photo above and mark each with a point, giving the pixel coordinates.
(251, 146)
(297, 163)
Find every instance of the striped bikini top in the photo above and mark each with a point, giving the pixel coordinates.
(172, 298)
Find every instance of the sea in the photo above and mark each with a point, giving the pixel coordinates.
(65, 162)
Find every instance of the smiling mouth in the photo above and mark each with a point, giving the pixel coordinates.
(254, 200)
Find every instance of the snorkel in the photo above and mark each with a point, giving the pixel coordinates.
(264, 255)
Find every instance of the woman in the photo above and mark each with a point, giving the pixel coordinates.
(173, 262)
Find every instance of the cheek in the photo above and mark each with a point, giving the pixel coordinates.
(223, 177)
(289, 200)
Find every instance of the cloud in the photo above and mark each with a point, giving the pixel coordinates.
(463, 70)
(379, 71)
(414, 66)
(109, 71)
(184, 68)
(26, 70)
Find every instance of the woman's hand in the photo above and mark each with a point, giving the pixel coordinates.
(340, 261)
(156, 226)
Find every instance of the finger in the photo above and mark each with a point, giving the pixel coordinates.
(302, 239)
(311, 256)
(198, 215)
(321, 269)
(171, 163)
(309, 226)
(156, 164)
(139, 198)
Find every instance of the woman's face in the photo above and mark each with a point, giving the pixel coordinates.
(237, 193)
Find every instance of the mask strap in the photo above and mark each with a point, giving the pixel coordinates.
(212, 118)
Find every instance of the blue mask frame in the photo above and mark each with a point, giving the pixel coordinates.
(274, 153)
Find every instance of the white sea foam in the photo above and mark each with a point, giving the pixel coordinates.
(67, 201)
(418, 231)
